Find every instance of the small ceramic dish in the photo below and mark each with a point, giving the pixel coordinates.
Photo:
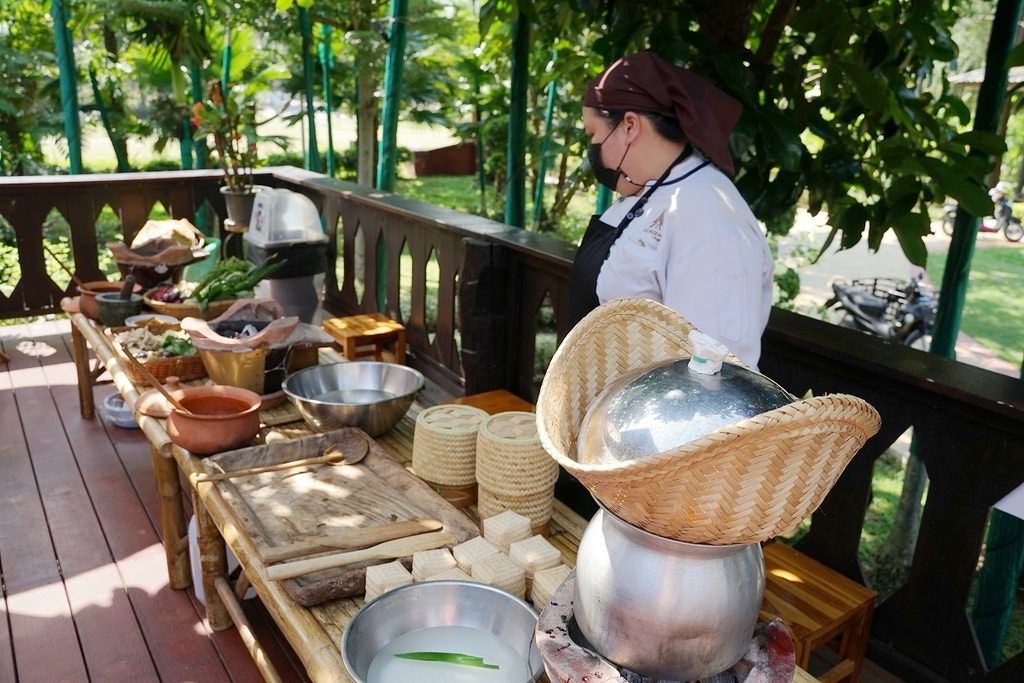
(142, 318)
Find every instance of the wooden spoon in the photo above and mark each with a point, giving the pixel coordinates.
(74, 278)
(329, 456)
(383, 551)
(155, 383)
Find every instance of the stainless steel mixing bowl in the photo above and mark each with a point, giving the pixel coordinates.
(439, 603)
(371, 396)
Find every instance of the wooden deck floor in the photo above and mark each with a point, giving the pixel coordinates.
(85, 594)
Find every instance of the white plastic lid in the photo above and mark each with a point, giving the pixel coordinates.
(282, 217)
(708, 353)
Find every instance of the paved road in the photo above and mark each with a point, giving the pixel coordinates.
(888, 261)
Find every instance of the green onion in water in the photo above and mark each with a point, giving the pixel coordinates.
(449, 657)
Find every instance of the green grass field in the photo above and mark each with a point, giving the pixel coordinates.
(993, 314)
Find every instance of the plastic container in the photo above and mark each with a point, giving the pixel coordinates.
(117, 412)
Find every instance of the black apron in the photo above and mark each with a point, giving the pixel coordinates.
(590, 257)
(597, 242)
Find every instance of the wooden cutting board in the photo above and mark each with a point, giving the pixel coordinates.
(304, 503)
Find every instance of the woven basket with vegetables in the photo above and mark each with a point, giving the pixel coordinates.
(164, 350)
(231, 279)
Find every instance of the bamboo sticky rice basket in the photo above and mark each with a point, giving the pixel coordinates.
(743, 483)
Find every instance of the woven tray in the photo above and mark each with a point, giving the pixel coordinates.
(185, 310)
(184, 368)
(743, 483)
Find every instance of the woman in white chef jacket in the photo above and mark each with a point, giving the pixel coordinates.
(680, 233)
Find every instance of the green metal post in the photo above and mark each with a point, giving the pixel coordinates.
(195, 73)
(68, 84)
(997, 586)
(306, 28)
(515, 189)
(181, 99)
(986, 118)
(225, 62)
(538, 193)
(387, 162)
(604, 199)
(326, 64)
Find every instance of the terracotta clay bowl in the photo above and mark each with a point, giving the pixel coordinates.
(223, 418)
(87, 295)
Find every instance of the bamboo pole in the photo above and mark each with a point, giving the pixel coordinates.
(213, 560)
(173, 527)
(234, 609)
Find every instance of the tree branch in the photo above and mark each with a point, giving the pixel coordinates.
(772, 32)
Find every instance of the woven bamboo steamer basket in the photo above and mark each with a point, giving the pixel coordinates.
(744, 483)
(510, 459)
(537, 507)
(444, 444)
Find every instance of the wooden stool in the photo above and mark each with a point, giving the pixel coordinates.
(366, 334)
(819, 605)
(497, 401)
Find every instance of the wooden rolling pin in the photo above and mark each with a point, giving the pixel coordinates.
(382, 551)
(351, 539)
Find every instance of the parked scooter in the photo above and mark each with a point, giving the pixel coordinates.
(902, 311)
(1002, 220)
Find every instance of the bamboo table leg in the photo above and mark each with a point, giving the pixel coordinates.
(214, 561)
(173, 527)
(85, 381)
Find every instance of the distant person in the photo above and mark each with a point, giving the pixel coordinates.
(680, 233)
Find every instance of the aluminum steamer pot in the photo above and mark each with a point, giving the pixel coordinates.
(665, 608)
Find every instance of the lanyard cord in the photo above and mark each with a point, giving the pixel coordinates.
(638, 207)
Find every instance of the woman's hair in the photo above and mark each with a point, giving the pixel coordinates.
(665, 126)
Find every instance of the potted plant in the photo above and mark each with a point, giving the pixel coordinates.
(230, 119)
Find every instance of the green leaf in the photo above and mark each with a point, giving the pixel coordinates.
(282, 5)
(989, 143)
(852, 222)
(448, 657)
(869, 88)
(910, 231)
(1016, 56)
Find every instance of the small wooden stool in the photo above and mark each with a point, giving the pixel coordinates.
(366, 334)
(818, 605)
(497, 401)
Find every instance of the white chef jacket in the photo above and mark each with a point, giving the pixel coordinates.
(697, 248)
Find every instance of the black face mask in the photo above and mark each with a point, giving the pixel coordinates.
(609, 177)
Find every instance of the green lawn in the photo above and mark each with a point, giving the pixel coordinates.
(993, 314)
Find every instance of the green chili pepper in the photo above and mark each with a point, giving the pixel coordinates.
(449, 657)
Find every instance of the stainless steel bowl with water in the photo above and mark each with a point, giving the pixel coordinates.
(370, 395)
(440, 603)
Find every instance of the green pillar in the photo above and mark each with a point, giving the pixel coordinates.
(225, 61)
(68, 83)
(515, 189)
(306, 28)
(997, 584)
(326, 64)
(387, 160)
(604, 199)
(195, 73)
(181, 100)
(542, 170)
(986, 119)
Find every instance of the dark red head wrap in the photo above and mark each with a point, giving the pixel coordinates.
(644, 82)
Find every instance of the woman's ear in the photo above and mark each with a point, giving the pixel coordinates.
(631, 123)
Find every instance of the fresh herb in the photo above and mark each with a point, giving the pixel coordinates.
(449, 657)
(173, 345)
(231, 277)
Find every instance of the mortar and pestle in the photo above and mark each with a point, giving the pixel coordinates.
(114, 307)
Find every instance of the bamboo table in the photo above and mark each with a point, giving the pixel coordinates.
(314, 633)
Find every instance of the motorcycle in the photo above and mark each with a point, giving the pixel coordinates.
(899, 310)
(1002, 220)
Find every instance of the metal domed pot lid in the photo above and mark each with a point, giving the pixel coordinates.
(665, 405)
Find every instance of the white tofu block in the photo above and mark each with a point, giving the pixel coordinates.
(501, 572)
(455, 574)
(380, 578)
(427, 563)
(545, 583)
(505, 529)
(534, 554)
(475, 549)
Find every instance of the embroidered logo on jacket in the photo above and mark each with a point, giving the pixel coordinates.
(656, 227)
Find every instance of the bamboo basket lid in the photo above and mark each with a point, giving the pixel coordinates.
(743, 483)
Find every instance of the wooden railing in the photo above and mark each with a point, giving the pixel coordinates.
(482, 334)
